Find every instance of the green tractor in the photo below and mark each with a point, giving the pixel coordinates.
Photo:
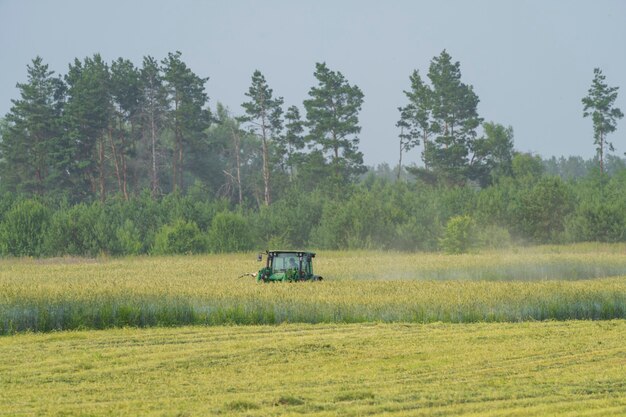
(287, 266)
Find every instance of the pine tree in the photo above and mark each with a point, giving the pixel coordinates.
(454, 120)
(188, 117)
(292, 142)
(263, 115)
(415, 116)
(492, 155)
(123, 132)
(87, 116)
(332, 114)
(227, 137)
(443, 116)
(599, 104)
(31, 146)
(153, 111)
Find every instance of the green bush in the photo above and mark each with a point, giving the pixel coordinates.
(128, 239)
(23, 228)
(82, 230)
(417, 215)
(600, 214)
(288, 222)
(229, 233)
(180, 237)
(385, 216)
(539, 214)
(360, 222)
(7, 200)
(460, 235)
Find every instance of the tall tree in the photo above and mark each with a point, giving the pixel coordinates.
(263, 115)
(87, 117)
(404, 138)
(599, 104)
(415, 116)
(332, 113)
(443, 116)
(227, 134)
(31, 141)
(123, 132)
(153, 110)
(188, 116)
(235, 133)
(235, 164)
(454, 120)
(292, 142)
(492, 154)
(414, 120)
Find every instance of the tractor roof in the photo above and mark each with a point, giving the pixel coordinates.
(295, 252)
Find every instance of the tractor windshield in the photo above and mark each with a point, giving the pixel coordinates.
(284, 261)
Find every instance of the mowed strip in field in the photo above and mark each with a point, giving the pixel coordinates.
(488, 369)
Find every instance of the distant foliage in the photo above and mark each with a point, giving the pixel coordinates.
(459, 236)
(540, 213)
(180, 237)
(493, 237)
(229, 233)
(377, 214)
(600, 105)
(23, 229)
(360, 222)
(289, 221)
(84, 229)
(114, 158)
(128, 239)
(601, 213)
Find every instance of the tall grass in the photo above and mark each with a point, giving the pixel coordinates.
(343, 302)
(534, 284)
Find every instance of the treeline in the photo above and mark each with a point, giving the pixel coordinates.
(527, 207)
(118, 159)
(117, 129)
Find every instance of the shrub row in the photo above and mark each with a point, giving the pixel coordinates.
(374, 215)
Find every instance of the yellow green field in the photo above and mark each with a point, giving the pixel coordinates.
(572, 368)
(546, 283)
(519, 332)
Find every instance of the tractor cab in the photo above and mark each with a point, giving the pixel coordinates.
(287, 266)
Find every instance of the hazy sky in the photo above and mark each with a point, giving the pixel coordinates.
(530, 62)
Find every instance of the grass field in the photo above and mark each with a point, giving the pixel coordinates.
(560, 283)
(484, 334)
(573, 368)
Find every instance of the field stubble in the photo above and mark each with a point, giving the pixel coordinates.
(572, 368)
